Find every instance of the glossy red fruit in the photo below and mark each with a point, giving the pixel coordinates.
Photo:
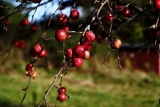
(79, 50)
(22, 46)
(32, 52)
(34, 27)
(117, 43)
(86, 55)
(60, 35)
(74, 14)
(37, 48)
(24, 23)
(87, 45)
(36, 1)
(77, 62)
(63, 18)
(120, 8)
(65, 28)
(69, 53)
(89, 36)
(61, 97)
(16, 44)
(127, 12)
(157, 4)
(7, 22)
(109, 16)
(62, 90)
(29, 67)
(42, 54)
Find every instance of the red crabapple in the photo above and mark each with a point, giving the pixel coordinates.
(157, 4)
(42, 54)
(79, 51)
(24, 23)
(77, 62)
(61, 97)
(60, 35)
(87, 45)
(37, 48)
(63, 18)
(74, 14)
(62, 90)
(69, 53)
(7, 22)
(89, 36)
(109, 16)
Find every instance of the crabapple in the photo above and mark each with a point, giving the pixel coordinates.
(109, 16)
(77, 62)
(74, 14)
(63, 18)
(157, 4)
(37, 48)
(7, 22)
(24, 23)
(16, 44)
(29, 67)
(89, 36)
(61, 97)
(87, 45)
(62, 90)
(60, 35)
(42, 54)
(32, 52)
(34, 27)
(79, 50)
(69, 53)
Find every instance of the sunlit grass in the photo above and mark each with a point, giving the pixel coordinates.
(112, 88)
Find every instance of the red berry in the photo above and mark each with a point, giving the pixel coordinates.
(37, 48)
(29, 67)
(34, 27)
(62, 90)
(69, 53)
(32, 52)
(120, 8)
(16, 44)
(86, 55)
(61, 97)
(87, 45)
(77, 62)
(22, 46)
(74, 14)
(63, 18)
(60, 35)
(7, 22)
(127, 12)
(79, 51)
(157, 4)
(42, 54)
(65, 28)
(36, 1)
(109, 16)
(89, 36)
(24, 23)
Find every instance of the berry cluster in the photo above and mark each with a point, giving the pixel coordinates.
(62, 94)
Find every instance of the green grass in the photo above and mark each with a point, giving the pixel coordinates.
(109, 89)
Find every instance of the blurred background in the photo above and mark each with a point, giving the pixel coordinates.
(94, 84)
